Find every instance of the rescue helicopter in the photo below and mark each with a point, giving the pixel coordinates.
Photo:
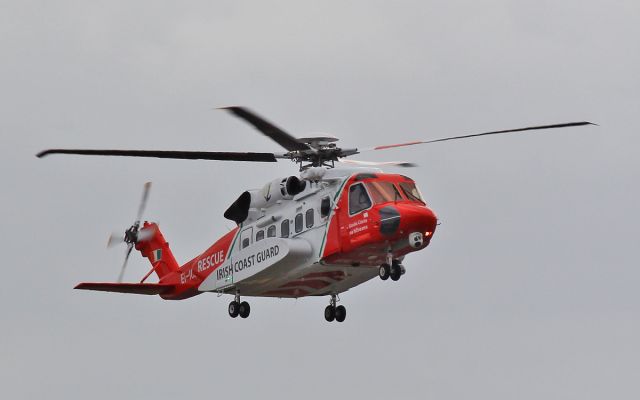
(318, 233)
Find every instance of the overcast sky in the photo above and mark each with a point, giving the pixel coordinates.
(528, 290)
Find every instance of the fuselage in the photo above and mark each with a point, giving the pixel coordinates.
(331, 236)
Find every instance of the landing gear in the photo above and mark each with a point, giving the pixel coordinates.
(239, 308)
(396, 272)
(384, 271)
(341, 313)
(234, 309)
(391, 269)
(331, 312)
(244, 309)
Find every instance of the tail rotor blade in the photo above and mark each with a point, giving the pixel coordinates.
(124, 264)
(115, 239)
(143, 202)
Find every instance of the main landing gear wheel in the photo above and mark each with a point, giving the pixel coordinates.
(384, 271)
(396, 272)
(244, 309)
(341, 313)
(234, 309)
(331, 312)
(239, 308)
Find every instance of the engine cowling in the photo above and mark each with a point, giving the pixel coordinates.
(292, 186)
(277, 189)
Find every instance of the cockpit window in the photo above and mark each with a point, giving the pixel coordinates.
(358, 199)
(383, 192)
(411, 191)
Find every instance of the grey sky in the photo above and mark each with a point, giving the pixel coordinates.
(529, 289)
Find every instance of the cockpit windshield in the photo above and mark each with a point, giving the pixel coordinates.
(411, 191)
(383, 192)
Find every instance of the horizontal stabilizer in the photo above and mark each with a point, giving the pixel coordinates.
(136, 288)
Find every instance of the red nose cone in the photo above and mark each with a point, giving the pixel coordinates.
(429, 220)
(418, 218)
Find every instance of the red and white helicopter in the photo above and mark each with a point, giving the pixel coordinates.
(317, 234)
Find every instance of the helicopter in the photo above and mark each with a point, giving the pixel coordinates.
(318, 233)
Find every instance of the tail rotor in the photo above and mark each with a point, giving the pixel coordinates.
(134, 234)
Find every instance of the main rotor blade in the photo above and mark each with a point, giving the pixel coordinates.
(183, 155)
(124, 264)
(278, 135)
(403, 164)
(143, 201)
(530, 128)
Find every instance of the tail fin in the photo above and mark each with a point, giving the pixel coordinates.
(156, 249)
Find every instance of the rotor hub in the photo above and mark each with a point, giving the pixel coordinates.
(131, 234)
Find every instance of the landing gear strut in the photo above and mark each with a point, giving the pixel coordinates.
(236, 307)
(331, 312)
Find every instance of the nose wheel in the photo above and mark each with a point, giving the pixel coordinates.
(384, 271)
(393, 271)
(237, 307)
(333, 312)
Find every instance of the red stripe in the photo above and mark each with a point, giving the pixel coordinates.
(389, 146)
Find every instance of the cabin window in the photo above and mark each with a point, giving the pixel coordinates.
(259, 235)
(245, 237)
(358, 199)
(309, 217)
(284, 229)
(298, 223)
(325, 207)
(411, 191)
(271, 231)
(383, 192)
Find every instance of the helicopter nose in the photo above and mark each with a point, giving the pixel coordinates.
(419, 219)
(429, 220)
(421, 227)
(408, 218)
